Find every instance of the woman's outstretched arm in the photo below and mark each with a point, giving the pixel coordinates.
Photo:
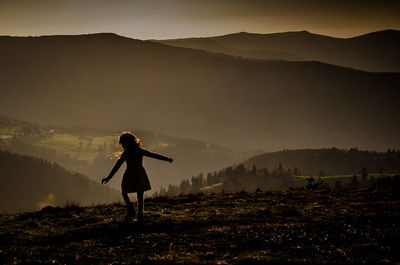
(156, 156)
(114, 170)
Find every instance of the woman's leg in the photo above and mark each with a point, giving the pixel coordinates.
(126, 197)
(140, 205)
(129, 206)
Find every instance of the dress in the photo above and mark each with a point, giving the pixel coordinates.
(135, 177)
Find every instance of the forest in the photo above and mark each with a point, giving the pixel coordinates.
(294, 168)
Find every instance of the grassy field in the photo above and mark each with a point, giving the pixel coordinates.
(82, 148)
(297, 227)
(7, 131)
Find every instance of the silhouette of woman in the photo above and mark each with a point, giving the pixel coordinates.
(135, 178)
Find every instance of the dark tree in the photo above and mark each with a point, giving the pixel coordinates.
(254, 170)
(184, 187)
(364, 174)
(338, 185)
(380, 170)
(240, 170)
(354, 181)
(280, 169)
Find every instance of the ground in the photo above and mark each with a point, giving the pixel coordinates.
(298, 226)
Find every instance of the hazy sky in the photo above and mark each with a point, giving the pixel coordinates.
(146, 19)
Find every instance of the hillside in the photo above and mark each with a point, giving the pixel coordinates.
(331, 161)
(91, 151)
(108, 81)
(376, 51)
(216, 46)
(29, 183)
(354, 226)
(295, 168)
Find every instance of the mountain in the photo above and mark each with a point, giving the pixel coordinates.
(214, 45)
(28, 183)
(376, 51)
(105, 80)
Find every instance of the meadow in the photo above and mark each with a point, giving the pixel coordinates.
(295, 226)
(83, 144)
(81, 148)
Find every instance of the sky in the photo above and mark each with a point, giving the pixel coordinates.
(165, 19)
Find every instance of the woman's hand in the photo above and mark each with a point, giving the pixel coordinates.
(105, 180)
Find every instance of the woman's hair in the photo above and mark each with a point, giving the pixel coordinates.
(128, 140)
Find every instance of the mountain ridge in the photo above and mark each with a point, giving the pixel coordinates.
(304, 33)
(374, 51)
(105, 82)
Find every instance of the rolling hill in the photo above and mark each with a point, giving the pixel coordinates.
(105, 80)
(294, 168)
(28, 183)
(216, 46)
(376, 51)
(91, 151)
(331, 161)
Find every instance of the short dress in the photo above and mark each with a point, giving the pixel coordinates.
(135, 177)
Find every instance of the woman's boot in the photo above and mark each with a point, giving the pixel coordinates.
(140, 205)
(130, 211)
(140, 213)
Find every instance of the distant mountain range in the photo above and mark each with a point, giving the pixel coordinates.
(29, 183)
(108, 81)
(376, 51)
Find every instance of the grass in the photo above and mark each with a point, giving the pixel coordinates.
(7, 131)
(353, 226)
(81, 148)
(85, 148)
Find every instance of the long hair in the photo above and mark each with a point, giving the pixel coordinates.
(128, 140)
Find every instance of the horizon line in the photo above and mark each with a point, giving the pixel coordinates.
(199, 37)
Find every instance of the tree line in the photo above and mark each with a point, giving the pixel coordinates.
(249, 178)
